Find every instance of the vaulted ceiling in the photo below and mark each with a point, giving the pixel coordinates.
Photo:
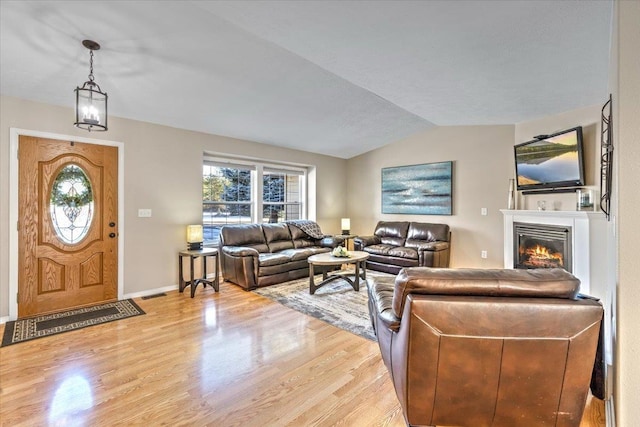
(330, 77)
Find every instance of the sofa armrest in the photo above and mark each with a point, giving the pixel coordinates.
(433, 246)
(240, 265)
(434, 254)
(381, 305)
(239, 251)
(332, 241)
(361, 242)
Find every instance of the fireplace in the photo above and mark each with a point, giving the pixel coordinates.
(541, 246)
(590, 260)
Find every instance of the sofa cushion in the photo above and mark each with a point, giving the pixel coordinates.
(310, 228)
(297, 233)
(397, 263)
(281, 272)
(277, 236)
(403, 252)
(379, 249)
(423, 231)
(249, 235)
(390, 250)
(392, 232)
(427, 246)
(300, 239)
(267, 259)
(303, 243)
(303, 253)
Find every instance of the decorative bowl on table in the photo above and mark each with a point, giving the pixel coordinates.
(340, 252)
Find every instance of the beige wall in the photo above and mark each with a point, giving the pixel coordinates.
(162, 172)
(483, 165)
(626, 95)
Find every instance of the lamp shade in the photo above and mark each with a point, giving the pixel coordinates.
(91, 107)
(91, 101)
(346, 225)
(194, 236)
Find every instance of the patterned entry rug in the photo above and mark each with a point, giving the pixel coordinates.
(51, 324)
(335, 303)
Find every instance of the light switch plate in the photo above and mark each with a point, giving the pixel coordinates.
(144, 213)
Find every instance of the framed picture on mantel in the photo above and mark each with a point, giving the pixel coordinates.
(418, 189)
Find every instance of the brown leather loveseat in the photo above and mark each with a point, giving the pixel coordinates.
(254, 255)
(398, 244)
(471, 347)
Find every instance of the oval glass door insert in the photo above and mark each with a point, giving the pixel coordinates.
(71, 204)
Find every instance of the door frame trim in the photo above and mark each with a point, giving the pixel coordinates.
(15, 134)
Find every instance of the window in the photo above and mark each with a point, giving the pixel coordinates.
(281, 195)
(71, 204)
(229, 195)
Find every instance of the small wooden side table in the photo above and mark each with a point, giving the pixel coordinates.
(193, 254)
(347, 238)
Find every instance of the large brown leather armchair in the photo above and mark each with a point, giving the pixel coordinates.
(471, 347)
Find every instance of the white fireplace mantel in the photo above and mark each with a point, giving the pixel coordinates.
(588, 237)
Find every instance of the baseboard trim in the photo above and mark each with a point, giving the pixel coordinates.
(610, 413)
(5, 319)
(150, 292)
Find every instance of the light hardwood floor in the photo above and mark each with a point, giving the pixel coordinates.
(221, 359)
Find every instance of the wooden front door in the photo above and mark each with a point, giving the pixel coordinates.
(67, 228)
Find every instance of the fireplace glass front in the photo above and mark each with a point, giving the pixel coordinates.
(541, 246)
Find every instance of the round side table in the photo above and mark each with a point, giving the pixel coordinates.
(193, 254)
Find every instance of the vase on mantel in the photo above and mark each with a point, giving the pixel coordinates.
(511, 203)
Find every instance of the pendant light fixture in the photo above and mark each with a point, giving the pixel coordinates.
(91, 102)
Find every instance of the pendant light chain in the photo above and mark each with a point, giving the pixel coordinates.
(91, 65)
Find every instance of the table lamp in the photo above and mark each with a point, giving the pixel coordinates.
(346, 226)
(194, 237)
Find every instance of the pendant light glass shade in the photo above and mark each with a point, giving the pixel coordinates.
(91, 102)
(91, 107)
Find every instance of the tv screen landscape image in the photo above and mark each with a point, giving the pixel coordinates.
(554, 161)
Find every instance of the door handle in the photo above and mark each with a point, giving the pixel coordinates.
(112, 224)
(112, 235)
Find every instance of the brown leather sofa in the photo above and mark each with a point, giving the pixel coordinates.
(254, 255)
(470, 347)
(398, 244)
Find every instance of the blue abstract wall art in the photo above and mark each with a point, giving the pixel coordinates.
(418, 189)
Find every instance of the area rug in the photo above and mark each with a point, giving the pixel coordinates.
(335, 303)
(42, 326)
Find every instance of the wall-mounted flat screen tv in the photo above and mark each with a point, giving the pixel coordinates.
(551, 161)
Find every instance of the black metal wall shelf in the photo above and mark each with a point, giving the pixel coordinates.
(606, 157)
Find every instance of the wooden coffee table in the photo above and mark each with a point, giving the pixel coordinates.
(357, 257)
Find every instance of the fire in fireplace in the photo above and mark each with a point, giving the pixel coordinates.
(540, 256)
(542, 246)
